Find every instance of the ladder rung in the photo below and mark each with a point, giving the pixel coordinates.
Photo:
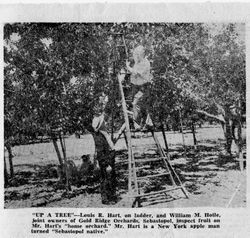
(145, 148)
(161, 191)
(144, 160)
(149, 159)
(244, 159)
(152, 176)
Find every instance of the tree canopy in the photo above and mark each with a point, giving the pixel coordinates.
(55, 73)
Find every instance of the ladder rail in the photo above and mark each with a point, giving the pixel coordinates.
(162, 153)
(128, 135)
(172, 169)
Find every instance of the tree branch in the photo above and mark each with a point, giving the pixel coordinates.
(218, 118)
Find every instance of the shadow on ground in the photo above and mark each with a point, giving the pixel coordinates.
(38, 185)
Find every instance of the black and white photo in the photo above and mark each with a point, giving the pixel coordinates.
(123, 114)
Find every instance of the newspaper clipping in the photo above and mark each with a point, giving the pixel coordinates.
(124, 120)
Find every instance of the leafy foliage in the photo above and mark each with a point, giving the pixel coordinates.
(55, 73)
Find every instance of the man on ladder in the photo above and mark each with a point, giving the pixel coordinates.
(141, 79)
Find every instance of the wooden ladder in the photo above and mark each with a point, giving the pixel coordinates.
(134, 191)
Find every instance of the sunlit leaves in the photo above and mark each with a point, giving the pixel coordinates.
(59, 70)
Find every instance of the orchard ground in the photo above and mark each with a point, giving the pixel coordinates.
(210, 177)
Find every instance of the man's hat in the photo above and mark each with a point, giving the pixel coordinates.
(97, 122)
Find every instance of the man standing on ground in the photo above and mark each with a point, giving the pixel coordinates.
(105, 155)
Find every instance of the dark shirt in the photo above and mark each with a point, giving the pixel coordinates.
(101, 143)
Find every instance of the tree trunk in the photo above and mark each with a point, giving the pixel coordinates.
(240, 145)
(228, 136)
(238, 140)
(57, 151)
(182, 134)
(193, 132)
(167, 126)
(10, 160)
(164, 136)
(226, 126)
(6, 176)
(63, 146)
